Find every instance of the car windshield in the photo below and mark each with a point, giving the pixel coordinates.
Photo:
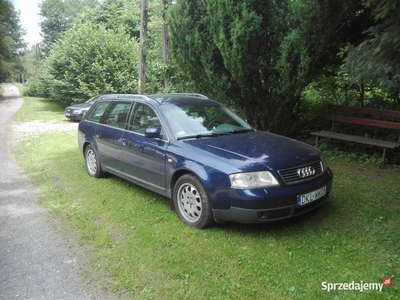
(92, 100)
(195, 120)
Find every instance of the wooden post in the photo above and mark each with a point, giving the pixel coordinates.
(166, 52)
(142, 46)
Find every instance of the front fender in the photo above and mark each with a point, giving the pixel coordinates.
(212, 179)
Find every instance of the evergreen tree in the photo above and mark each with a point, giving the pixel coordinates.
(261, 55)
(11, 43)
(376, 61)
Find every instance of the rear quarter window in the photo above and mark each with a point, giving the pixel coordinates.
(97, 112)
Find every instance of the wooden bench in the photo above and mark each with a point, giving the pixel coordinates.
(366, 117)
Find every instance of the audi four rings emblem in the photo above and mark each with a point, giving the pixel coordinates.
(305, 172)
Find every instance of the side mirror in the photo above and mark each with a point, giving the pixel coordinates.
(248, 122)
(152, 133)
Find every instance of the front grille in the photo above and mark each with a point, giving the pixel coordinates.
(301, 173)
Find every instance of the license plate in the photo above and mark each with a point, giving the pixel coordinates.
(67, 114)
(310, 197)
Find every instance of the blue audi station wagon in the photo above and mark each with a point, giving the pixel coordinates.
(210, 163)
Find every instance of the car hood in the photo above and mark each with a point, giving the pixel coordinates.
(258, 150)
(80, 106)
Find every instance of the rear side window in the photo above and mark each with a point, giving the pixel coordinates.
(97, 112)
(117, 114)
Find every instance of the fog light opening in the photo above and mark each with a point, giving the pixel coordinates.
(262, 215)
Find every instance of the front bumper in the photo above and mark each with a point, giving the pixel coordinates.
(262, 207)
(242, 215)
(74, 117)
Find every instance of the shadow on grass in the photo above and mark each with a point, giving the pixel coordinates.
(50, 105)
(312, 218)
(319, 217)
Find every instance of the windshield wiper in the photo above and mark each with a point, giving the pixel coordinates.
(213, 134)
(197, 136)
(240, 131)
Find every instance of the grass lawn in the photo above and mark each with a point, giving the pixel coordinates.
(137, 248)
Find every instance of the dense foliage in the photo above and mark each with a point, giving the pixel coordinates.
(11, 42)
(278, 63)
(78, 67)
(262, 55)
(375, 63)
(114, 14)
(109, 52)
(58, 16)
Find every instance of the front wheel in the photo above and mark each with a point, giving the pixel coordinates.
(92, 162)
(192, 203)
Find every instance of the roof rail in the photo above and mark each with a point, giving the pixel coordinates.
(134, 96)
(164, 96)
(190, 95)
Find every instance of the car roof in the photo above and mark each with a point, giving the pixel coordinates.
(159, 99)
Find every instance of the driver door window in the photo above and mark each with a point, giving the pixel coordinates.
(144, 117)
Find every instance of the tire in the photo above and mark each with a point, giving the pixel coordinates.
(192, 203)
(92, 162)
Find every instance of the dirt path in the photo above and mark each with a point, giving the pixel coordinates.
(34, 264)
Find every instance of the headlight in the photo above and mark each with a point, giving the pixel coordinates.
(252, 180)
(324, 163)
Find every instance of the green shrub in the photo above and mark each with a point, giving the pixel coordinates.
(90, 60)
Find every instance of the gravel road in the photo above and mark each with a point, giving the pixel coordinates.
(34, 261)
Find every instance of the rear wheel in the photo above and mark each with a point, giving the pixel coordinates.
(92, 161)
(192, 203)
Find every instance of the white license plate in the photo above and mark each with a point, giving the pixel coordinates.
(67, 114)
(310, 197)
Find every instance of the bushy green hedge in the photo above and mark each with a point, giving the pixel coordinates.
(90, 60)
